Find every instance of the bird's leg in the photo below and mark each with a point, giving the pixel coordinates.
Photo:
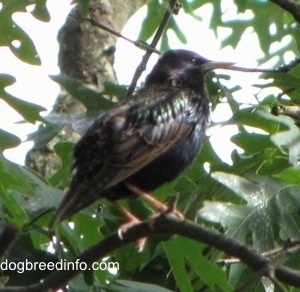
(161, 207)
(131, 221)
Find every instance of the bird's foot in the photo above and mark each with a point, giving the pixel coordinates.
(131, 221)
(140, 244)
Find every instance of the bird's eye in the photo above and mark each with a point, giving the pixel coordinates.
(195, 62)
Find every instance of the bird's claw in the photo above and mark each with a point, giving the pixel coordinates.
(140, 244)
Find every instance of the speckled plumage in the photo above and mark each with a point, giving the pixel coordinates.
(147, 140)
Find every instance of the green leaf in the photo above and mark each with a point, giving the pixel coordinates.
(190, 6)
(30, 111)
(126, 285)
(8, 140)
(239, 27)
(114, 90)
(44, 134)
(266, 202)
(183, 253)
(76, 240)
(6, 80)
(261, 118)
(93, 101)
(176, 29)
(62, 176)
(290, 174)
(14, 37)
(285, 81)
(40, 11)
(252, 142)
(152, 20)
(23, 193)
(84, 7)
(14, 209)
(286, 138)
(259, 16)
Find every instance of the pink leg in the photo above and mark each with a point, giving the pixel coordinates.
(131, 221)
(161, 207)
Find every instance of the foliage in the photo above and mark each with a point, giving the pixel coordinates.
(255, 200)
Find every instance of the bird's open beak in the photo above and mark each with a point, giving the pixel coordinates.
(211, 65)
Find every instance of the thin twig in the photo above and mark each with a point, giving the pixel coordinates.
(274, 254)
(139, 44)
(282, 69)
(92, 19)
(173, 8)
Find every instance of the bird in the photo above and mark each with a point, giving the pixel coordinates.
(146, 140)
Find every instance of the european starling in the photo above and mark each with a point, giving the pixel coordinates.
(148, 139)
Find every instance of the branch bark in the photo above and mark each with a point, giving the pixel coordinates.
(169, 224)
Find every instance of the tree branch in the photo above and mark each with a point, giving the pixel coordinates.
(173, 8)
(291, 6)
(168, 224)
(139, 44)
(7, 237)
(282, 69)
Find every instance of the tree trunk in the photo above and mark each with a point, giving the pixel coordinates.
(86, 53)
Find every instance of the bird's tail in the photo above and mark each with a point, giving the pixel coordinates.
(77, 198)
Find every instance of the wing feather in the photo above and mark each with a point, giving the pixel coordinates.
(146, 138)
(131, 136)
(123, 141)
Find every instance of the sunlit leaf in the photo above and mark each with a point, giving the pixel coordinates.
(91, 99)
(265, 202)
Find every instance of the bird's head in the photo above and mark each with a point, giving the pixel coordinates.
(182, 68)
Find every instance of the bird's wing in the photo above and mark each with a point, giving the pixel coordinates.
(122, 142)
(146, 133)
